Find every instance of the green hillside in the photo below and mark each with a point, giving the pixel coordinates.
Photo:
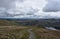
(7, 23)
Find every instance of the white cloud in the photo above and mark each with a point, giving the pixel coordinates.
(30, 8)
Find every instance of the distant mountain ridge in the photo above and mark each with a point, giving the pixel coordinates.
(31, 22)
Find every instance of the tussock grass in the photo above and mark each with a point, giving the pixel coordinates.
(21, 32)
(13, 32)
(42, 33)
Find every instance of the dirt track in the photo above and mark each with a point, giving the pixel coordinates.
(32, 35)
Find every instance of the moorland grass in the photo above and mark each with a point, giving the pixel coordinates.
(42, 33)
(13, 33)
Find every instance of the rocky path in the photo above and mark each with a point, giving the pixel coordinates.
(32, 35)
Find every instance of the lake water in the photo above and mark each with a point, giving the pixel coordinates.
(51, 28)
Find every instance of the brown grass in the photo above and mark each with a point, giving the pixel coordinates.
(13, 32)
(21, 32)
(46, 34)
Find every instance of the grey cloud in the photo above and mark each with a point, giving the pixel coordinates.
(52, 6)
(4, 15)
(21, 0)
(8, 8)
(6, 3)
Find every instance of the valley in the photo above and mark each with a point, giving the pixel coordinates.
(30, 29)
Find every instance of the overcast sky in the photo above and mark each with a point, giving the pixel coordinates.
(30, 8)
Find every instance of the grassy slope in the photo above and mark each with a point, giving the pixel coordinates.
(11, 32)
(21, 32)
(7, 32)
(8, 23)
(46, 34)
